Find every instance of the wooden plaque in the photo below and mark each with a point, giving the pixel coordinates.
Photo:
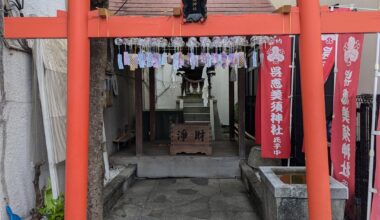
(190, 138)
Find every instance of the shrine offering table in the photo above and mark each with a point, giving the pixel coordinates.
(191, 138)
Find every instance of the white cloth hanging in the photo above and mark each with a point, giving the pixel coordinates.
(205, 94)
(50, 66)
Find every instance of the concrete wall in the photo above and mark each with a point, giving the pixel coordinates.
(368, 58)
(166, 91)
(122, 112)
(21, 130)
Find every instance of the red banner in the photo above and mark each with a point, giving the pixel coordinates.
(343, 135)
(375, 211)
(328, 54)
(275, 98)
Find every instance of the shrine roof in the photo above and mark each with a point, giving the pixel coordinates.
(165, 7)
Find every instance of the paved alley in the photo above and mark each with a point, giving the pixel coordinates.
(185, 199)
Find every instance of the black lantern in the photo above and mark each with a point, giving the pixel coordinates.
(194, 10)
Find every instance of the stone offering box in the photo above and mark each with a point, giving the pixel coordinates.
(283, 195)
(191, 138)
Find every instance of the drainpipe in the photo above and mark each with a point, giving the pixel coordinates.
(313, 108)
(78, 93)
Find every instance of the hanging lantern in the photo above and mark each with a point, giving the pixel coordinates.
(194, 10)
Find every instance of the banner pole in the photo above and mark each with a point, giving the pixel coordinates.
(335, 73)
(293, 66)
(373, 130)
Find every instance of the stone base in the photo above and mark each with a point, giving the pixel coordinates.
(255, 160)
(207, 150)
(280, 201)
(117, 187)
(184, 166)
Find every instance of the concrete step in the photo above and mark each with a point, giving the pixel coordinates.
(196, 117)
(197, 122)
(192, 100)
(193, 104)
(196, 110)
(194, 95)
(115, 189)
(181, 166)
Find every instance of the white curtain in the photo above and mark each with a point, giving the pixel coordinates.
(51, 69)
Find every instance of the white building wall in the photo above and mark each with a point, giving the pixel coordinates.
(21, 131)
(168, 92)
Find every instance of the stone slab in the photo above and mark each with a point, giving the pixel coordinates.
(115, 189)
(280, 189)
(280, 201)
(255, 160)
(181, 166)
(185, 198)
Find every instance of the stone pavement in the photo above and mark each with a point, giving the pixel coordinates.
(185, 199)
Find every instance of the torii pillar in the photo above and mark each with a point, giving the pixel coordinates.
(313, 108)
(78, 109)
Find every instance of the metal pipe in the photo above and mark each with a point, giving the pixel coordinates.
(373, 130)
(313, 106)
(335, 73)
(293, 66)
(78, 93)
(352, 7)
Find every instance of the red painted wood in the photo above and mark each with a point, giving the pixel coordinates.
(78, 108)
(313, 110)
(35, 27)
(167, 26)
(222, 25)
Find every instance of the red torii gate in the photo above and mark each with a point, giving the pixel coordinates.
(79, 25)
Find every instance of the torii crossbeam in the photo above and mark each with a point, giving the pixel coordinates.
(79, 25)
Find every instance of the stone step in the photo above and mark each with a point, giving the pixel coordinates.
(197, 166)
(197, 122)
(192, 100)
(193, 104)
(115, 189)
(194, 95)
(196, 117)
(196, 110)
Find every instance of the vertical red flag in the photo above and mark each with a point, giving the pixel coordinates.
(275, 97)
(343, 137)
(328, 54)
(375, 211)
(258, 111)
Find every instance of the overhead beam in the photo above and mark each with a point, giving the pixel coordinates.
(35, 27)
(168, 26)
(165, 26)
